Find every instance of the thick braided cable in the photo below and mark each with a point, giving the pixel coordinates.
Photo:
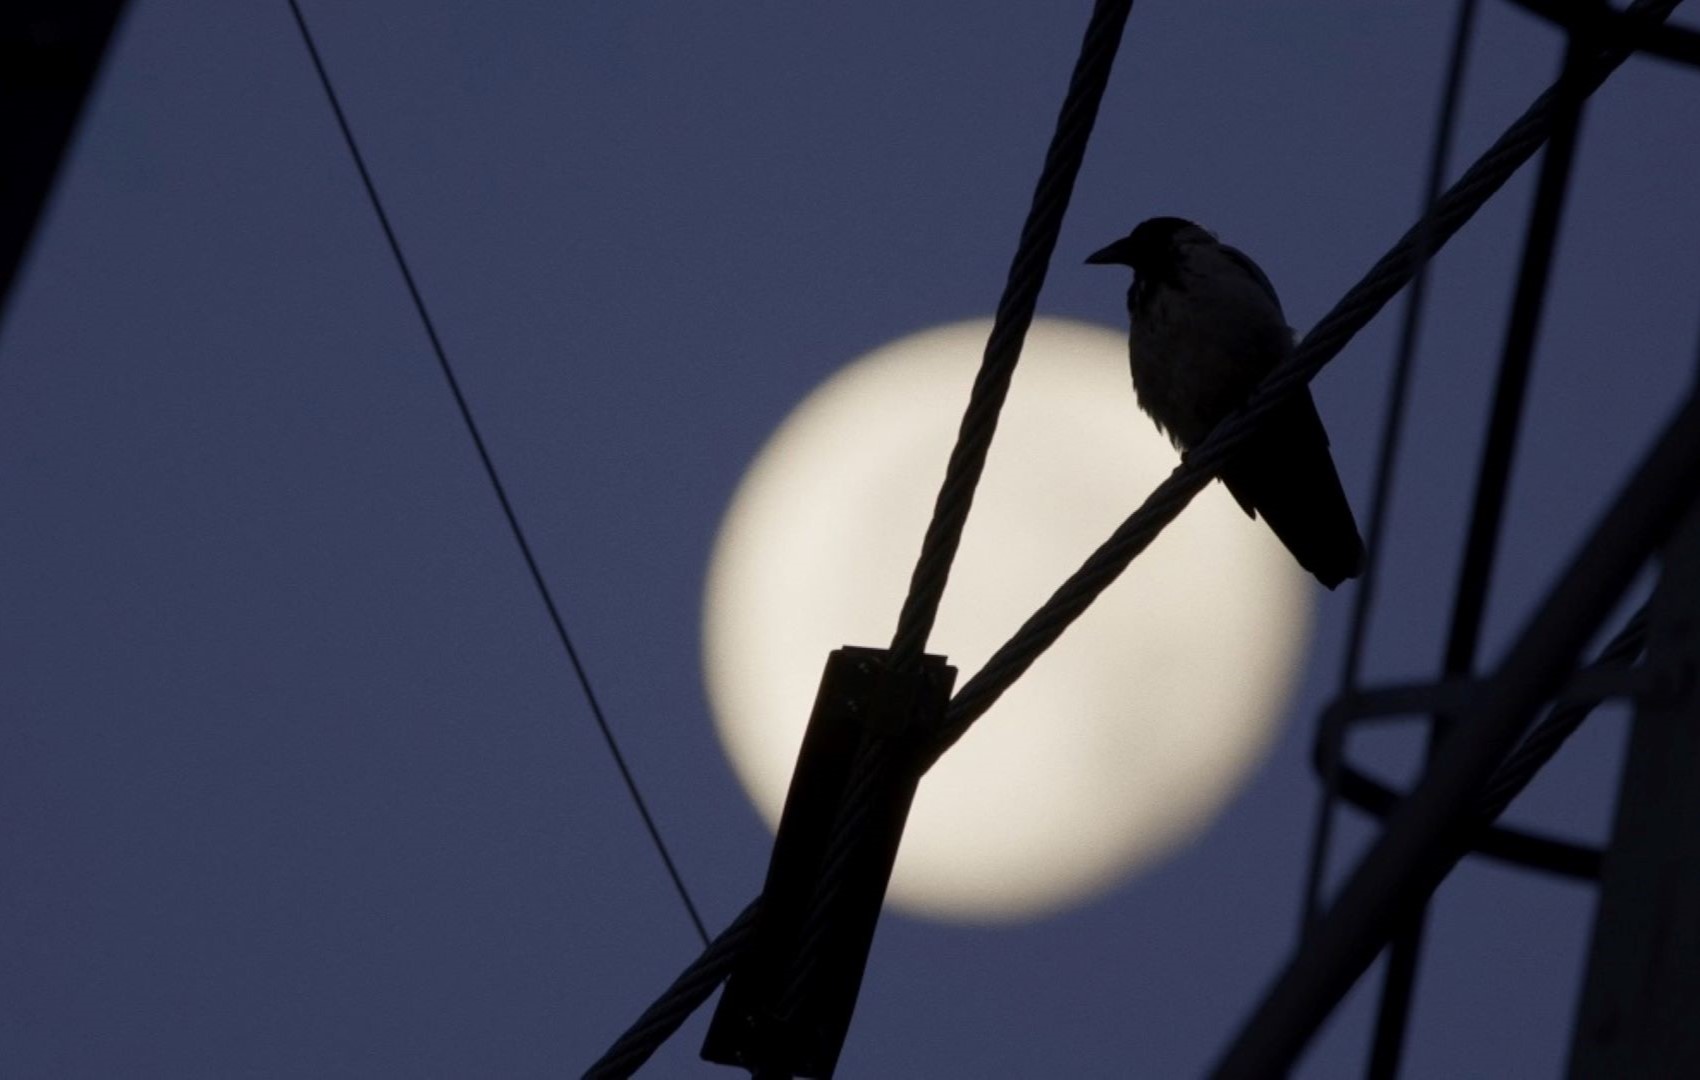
(1322, 344)
(678, 1001)
(1009, 329)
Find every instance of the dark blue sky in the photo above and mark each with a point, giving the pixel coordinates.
(294, 780)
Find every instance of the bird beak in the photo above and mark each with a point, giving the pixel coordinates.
(1117, 254)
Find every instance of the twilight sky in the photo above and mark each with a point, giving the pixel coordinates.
(294, 780)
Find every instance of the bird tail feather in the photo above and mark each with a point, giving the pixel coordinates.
(1285, 473)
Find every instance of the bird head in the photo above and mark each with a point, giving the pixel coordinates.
(1151, 244)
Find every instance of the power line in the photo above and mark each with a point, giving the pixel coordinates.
(496, 483)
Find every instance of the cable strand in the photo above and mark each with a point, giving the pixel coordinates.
(1013, 316)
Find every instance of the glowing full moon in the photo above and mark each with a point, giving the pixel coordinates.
(1120, 743)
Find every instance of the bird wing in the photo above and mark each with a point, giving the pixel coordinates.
(1294, 423)
(1253, 271)
(1285, 474)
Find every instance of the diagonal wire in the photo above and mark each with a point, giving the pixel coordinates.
(1039, 231)
(496, 482)
(1009, 328)
(1392, 425)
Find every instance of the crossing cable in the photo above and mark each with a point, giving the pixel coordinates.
(496, 482)
(1009, 328)
(693, 986)
(1392, 425)
(1352, 313)
(1014, 316)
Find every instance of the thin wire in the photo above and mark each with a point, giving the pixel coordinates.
(1392, 426)
(496, 481)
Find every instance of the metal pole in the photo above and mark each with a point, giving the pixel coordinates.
(1637, 1013)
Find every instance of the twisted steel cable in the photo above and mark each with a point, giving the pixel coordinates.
(1014, 316)
(678, 1001)
(1009, 328)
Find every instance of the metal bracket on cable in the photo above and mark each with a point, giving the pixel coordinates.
(787, 1004)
